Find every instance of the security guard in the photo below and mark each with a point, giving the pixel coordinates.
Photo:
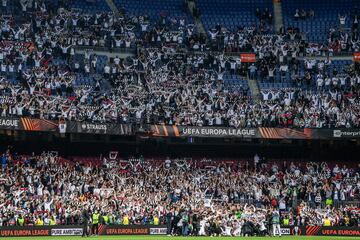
(126, 220)
(95, 223)
(20, 220)
(156, 220)
(327, 222)
(111, 218)
(286, 221)
(39, 221)
(52, 221)
(105, 218)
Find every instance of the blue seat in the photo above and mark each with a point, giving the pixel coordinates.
(91, 6)
(323, 20)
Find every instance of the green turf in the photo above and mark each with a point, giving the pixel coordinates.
(181, 238)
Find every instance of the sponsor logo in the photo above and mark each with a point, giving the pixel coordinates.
(312, 230)
(337, 232)
(24, 232)
(284, 231)
(337, 133)
(218, 131)
(346, 133)
(67, 232)
(62, 128)
(157, 231)
(9, 123)
(95, 127)
(127, 231)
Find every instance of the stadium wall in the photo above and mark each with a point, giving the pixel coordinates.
(92, 139)
(42, 125)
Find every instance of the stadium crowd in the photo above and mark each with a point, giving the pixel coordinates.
(204, 197)
(163, 83)
(180, 89)
(175, 76)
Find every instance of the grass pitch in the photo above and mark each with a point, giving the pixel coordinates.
(181, 238)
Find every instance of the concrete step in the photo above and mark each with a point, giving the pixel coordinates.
(254, 88)
(197, 20)
(113, 7)
(278, 17)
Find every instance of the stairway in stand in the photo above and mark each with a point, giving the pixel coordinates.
(113, 7)
(278, 16)
(254, 88)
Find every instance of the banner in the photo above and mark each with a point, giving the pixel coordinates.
(24, 231)
(77, 230)
(8, 123)
(346, 133)
(133, 230)
(356, 56)
(32, 124)
(158, 231)
(28, 124)
(248, 57)
(262, 132)
(99, 128)
(327, 231)
(27, 231)
(67, 232)
(284, 231)
(18, 45)
(190, 131)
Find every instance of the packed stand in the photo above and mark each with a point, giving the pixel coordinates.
(202, 197)
(43, 76)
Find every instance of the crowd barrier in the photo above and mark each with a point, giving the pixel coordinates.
(77, 230)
